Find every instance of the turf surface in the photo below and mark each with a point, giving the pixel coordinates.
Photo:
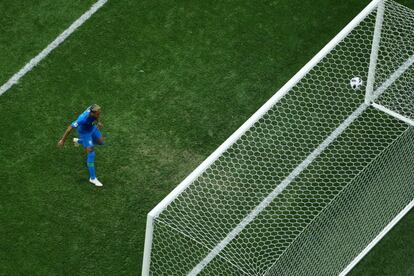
(26, 27)
(175, 78)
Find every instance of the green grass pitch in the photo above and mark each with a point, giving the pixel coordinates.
(175, 79)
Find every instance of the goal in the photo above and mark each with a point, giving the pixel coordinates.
(315, 178)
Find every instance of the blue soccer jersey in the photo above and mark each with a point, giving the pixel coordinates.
(85, 123)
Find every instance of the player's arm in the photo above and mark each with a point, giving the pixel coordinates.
(68, 131)
(99, 123)
(65, 135)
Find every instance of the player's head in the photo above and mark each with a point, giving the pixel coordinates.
(95, 110)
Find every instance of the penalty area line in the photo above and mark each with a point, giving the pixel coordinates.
(53, 45)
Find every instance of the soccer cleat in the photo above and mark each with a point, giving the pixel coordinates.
(75, 142)
(96, 182)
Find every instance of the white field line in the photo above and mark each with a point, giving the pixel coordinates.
(53, 45)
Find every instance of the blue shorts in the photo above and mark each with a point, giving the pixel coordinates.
(90, 139)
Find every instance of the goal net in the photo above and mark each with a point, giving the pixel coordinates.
(315, 177)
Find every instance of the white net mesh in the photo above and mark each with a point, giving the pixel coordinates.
(396, 49)
(360, 211)
(225, 222)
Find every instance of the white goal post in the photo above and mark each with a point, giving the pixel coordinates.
(286, 176)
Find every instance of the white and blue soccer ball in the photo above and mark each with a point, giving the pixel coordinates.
(356, 83)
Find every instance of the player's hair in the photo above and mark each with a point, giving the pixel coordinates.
(94, 108)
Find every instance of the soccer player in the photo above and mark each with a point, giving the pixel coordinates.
(88, 126)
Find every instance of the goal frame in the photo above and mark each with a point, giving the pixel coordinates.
(370, 96)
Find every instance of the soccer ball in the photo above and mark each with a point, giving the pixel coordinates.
(356, 83)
